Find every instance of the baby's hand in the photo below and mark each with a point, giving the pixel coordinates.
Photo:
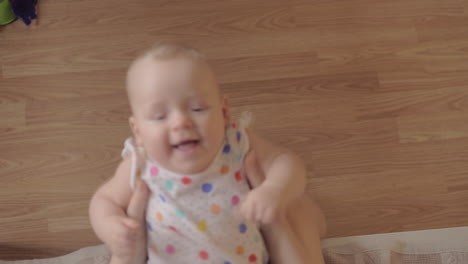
(128, 239)
(263, 204)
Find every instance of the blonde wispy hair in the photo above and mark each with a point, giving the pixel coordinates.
(168, 50)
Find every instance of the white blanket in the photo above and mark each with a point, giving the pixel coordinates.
(438, 246)
(90, 255)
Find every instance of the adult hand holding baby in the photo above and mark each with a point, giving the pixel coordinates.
(128, 242)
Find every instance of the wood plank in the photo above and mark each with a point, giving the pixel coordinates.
(30, 89)
(450, 56)
(372, 158)
(313, 88)
(435, 28)
(420, 79)
(414, 102)
(266, 67)
(432, 127)
(312, 12)
(389, 187)
(75, 57)
(13, 115)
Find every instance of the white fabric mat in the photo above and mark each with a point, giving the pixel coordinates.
(437, 246)
(89, 255)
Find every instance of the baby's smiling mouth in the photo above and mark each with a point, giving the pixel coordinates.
(187, 144)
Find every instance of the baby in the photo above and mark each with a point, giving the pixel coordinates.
(211, 179)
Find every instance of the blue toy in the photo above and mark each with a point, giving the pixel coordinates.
(25, 9)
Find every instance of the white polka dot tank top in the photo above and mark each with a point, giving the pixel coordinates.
(194, 218)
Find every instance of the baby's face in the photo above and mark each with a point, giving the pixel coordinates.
(179, 116)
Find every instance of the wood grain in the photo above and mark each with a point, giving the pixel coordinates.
(434, 127)
(13, 115)
(372, 94)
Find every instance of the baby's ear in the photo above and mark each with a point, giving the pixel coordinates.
(136, 132)
(226, 113)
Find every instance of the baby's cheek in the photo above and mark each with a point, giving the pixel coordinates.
(215, 137)
(159, 151)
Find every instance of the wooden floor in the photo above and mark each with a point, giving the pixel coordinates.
(373, 94)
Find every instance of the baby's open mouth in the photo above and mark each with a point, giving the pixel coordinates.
(187, 144)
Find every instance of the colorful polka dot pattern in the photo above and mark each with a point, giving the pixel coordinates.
(216, 198)
(203, 255)
(242, 228)
(207, 187)
(180, 214)
(154, 249)
(224, 169)
(201, 226)
(169, 185)
(252, 258)
(186, 180)
(227, 148)
(238, 176)
(215, 209)
(240, 250)
(154, 171)
(159, 216)
(235, 200)
(170, 249)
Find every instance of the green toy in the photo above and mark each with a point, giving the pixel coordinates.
(6, 14)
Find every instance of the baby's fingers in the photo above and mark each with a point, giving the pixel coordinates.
(268, 216)
(262, 214)
(245, 209)
(248, 210)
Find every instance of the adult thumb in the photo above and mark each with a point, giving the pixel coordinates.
(138, 202)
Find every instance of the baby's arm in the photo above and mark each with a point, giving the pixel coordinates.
(117, 213)
(285, 180)
(107, 202)
(284, 170)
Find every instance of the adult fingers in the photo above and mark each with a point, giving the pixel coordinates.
(138, 202)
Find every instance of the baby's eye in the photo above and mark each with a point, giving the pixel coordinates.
(198, 109)
(159, 117)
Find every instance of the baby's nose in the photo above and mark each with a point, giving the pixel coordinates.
(182, 121)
